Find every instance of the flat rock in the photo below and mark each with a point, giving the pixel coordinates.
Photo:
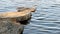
(9, 24)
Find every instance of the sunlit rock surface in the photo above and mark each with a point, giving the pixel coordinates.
(13, 22)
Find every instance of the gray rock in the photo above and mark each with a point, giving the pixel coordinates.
(8, 27)
(13, 22)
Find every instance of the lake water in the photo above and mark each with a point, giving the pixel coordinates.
(46, 19)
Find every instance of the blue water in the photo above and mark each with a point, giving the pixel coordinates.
(46, 19)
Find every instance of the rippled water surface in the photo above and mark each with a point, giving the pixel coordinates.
(46, 19)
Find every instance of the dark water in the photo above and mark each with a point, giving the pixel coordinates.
(46, 19)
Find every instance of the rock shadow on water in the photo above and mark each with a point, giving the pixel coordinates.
(24, 22)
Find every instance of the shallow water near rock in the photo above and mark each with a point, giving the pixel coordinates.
(46, 19)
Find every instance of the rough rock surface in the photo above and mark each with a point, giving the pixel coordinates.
(9, 27)
(13, 22)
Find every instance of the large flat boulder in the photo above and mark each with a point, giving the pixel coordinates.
(13, 22)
